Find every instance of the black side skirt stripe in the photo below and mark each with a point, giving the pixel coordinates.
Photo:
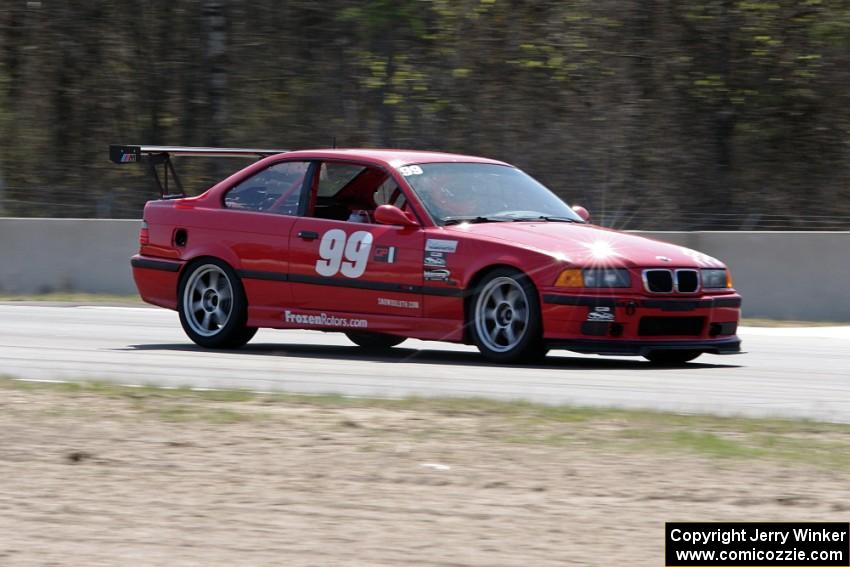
(442, 291)
(155, 265)
(355, 284)
(257, 275)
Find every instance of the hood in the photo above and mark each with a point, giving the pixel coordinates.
(587, 245)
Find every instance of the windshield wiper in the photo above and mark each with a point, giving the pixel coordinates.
(502, 218)
(457, 220)
(546, 218)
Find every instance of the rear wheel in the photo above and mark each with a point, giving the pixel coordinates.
(212, 305)
(505, 317)
(671, 357)
(375, 341)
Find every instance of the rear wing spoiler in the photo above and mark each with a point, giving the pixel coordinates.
(154, 156)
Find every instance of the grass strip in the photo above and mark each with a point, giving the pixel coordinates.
(489, 421)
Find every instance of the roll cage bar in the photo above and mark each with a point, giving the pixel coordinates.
(155, 156)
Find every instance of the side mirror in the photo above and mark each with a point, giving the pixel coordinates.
(582, 212)
(390, 214)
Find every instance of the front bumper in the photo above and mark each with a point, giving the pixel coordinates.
(726, 345)
(635, 324)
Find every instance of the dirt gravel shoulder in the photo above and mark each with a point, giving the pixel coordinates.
(102, 475)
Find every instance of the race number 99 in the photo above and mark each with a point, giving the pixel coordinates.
(338, 255)
(408, 170)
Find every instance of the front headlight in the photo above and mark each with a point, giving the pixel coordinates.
(594, 277)
(716, 279)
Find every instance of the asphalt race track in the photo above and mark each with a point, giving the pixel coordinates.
(791, 372)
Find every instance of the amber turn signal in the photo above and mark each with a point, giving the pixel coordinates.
(570, 278)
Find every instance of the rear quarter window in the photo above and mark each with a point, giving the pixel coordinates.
(276, 189)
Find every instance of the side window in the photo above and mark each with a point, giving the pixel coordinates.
(334, 176)
(276, 189)
(389, 194)
(345, 191)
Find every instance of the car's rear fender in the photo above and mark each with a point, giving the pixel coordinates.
(213, 250)
(158, 278)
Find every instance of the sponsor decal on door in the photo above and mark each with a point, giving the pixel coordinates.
(385, 254)
(435, 259)
(438, 245)
(437, 275)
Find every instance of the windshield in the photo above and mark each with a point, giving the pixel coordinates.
(481, 192)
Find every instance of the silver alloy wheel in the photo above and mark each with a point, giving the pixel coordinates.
(208, 300)
(501, 314)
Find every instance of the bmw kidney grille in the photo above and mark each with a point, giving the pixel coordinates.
(668, 281)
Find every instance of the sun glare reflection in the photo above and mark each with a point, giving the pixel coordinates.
(602, 252)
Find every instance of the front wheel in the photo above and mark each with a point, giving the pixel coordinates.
(505, 317)
(374, 341)
(212, 305)
(671, 357)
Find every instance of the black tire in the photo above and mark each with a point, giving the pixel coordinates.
(374, 341)
(504, 318)
(671, 357)
(212, 306)
(537, 355)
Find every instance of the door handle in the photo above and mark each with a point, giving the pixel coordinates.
(308, 235)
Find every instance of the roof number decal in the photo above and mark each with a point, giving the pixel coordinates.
(408, 170)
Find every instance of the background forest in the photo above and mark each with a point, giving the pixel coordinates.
(654, 114)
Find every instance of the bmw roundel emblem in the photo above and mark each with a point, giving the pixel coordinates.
(663, 258)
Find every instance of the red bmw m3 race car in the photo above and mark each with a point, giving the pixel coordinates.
(385, 245)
